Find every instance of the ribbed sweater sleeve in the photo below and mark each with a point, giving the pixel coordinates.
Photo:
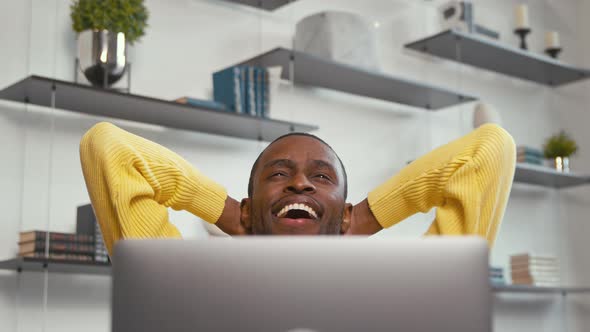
(131, 182)
(467, 180)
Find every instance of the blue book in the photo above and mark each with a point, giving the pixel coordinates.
(259, 88)
(265, 94)
(228, 88)
(528, 155)
(255, 90)
(525, 150)
(244, 88)
(251, 91)
(224, 87)
(498, 282)
(208, 104)
(245, 77)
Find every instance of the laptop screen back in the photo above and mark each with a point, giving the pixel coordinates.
(318, 284)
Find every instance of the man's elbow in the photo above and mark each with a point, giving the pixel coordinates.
(496, 145)
(94, 141)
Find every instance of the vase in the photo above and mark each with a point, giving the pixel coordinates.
(338, 36)
(102, 56)
(484, 113)
(561, 164)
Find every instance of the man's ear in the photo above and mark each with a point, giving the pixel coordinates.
(346, 218)
(245, 219)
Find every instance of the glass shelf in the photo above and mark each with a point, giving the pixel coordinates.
(488, 54)
(547, 177)
(315, 71)
(85, 99)
(60, 266)
(535, 289)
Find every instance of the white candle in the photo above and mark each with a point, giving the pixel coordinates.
(522, 17)
(552, 39)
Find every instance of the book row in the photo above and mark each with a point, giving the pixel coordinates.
(243, 89)
(527, 269)
(525, 154)
(85, 245)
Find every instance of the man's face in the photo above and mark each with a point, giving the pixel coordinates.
(298, 188)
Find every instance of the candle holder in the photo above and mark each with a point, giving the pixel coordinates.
(522, 32)
(553, 51)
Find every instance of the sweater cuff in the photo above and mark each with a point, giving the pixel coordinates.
(205, 198)
(383, 204)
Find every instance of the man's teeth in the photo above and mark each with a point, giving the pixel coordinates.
(297, 206)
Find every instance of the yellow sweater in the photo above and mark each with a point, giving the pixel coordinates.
(132, 181)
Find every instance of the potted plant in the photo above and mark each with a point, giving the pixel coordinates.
(104, 28)
(559, 148)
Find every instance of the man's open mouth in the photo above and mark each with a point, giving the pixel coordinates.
(298, 211)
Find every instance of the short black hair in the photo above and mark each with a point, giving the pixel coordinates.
(255, 165)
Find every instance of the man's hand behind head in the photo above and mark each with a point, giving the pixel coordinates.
(362, 221)
(229, 221)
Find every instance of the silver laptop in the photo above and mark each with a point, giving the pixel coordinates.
(316, 284)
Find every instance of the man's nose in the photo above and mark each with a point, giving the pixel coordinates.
(300, 183)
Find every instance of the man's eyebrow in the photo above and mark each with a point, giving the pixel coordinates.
(323, 164)
(288, 163)
(279, 163)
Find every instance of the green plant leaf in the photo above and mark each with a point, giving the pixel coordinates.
(127, 16)
(559, 145)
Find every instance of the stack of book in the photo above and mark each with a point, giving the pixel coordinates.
(527, 269)
(497, 276)
(100, 250)
(525, 154)
(243, 89)
(86, 245)
(86, 224)
(56, 245)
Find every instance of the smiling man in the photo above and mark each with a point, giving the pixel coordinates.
(297, 185)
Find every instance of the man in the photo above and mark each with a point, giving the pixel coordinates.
(297, 186)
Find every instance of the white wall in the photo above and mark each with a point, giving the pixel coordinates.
(189, 39)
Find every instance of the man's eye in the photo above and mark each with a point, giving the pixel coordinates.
(323, 177)
(278, 174)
